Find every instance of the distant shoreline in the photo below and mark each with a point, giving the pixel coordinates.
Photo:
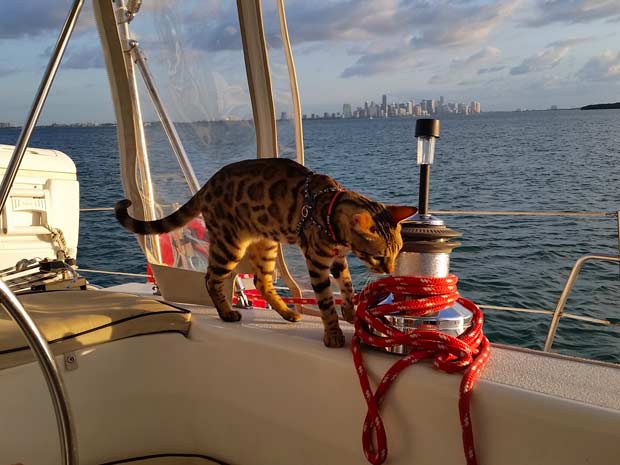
(89, 125)
(602, 106)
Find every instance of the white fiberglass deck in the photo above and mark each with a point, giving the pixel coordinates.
(520, 390)
(570, 378)
(567, 377)
(265, 391)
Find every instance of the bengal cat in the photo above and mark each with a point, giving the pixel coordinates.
(252, 205)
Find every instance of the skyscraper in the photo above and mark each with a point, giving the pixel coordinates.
(373, 110)
(346, 110)
(384, 104)
(410, 107)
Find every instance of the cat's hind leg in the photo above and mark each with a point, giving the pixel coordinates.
(223, 258)
(262, 255)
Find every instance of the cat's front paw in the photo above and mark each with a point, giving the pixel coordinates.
(291, 316)
(333, 338)
(230, 316)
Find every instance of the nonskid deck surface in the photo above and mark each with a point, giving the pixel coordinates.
(550, 374)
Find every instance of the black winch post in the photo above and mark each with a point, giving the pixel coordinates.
(426, 131)
(425, 182)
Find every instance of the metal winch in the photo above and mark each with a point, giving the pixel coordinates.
(427, 245)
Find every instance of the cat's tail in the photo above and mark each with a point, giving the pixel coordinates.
(173, 221)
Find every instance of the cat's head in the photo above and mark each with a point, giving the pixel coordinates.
(375, 235)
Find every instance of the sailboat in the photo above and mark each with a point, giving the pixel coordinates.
(136, 376)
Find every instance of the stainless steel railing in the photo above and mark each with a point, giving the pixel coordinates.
(41, 349)
(525, 213)
(568, 287)
(556, 314)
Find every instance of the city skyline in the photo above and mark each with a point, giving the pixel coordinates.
(426, 107)
(409, 108)
(505, 54)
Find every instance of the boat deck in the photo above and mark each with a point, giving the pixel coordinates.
(589, 382)
(291, 400)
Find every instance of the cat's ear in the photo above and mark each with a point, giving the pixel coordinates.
(400, 212)
(361, 222)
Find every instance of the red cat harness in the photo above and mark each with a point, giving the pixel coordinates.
(329, 214)
(469, 352)
(310, 204)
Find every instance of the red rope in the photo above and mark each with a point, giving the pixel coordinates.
(470, 351)
(258, 302)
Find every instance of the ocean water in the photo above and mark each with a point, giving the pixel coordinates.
(532, 161)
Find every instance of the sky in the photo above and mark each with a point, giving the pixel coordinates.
(507, 54)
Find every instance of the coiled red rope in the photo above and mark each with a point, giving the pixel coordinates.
(469, 352)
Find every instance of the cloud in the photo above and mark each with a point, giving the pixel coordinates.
(433, 23)
(380, 62)
(439, 79)
(605, 67)
(483, 56)
(549, 57)
(20, 19)
(84, 58)
(374, 27)
(38, 17)
(438, 24)
(213, 25)
(347, 20)
(468, 83)
(492, 69)
(573, 11)
(460, 66)
(5, 71)
(213, 28)
(545, 59)
(456, 23)
(571, 42)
